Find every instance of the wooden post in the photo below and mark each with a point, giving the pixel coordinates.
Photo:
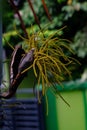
(0, 41)
(1, 115)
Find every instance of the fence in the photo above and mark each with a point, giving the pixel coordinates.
(21, 114)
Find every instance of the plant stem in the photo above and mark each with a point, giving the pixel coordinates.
(46, 10)
(35, 16)
(20, 18)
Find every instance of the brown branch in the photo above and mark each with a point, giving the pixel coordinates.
(35, 16)
(46, 10)
(20, 18)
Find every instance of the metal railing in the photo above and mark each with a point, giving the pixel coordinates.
(22, 114)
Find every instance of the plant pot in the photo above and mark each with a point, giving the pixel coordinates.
(62, 117)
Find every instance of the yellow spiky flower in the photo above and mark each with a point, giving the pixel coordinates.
(50, 63)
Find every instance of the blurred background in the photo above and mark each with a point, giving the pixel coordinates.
(70, 13)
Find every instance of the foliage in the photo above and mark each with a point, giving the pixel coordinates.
(80, 41)
(72, 13)
(8, 16)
